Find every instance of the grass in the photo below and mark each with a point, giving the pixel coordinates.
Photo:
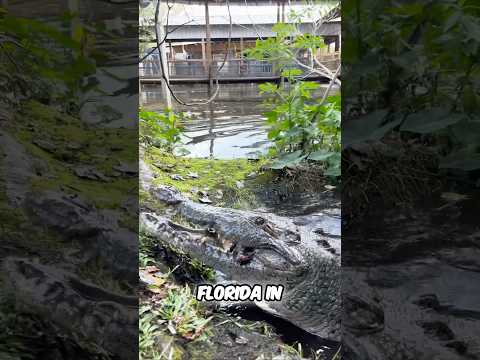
(176, 317)
(149, 330)
(290, 350)
(184, 314)
(169, 313)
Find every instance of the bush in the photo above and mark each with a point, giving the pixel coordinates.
(161, 129)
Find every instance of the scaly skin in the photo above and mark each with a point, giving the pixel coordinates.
(109, 320)
(240, 227)
(311, 279)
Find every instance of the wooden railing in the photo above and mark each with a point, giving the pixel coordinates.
(232, 69)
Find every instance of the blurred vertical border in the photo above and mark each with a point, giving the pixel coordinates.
(410, 177)
(69, 179)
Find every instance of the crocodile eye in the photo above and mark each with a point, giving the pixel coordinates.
(294, 239)
(211, 232)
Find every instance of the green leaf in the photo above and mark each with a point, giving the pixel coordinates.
(288, 160)
(321, 155)
(366, 128)
(452, 20)
(333, 171)
(289, 73)
(282, 29)
(269, 88)
(429, 121)
(467, 131)
(407, 9)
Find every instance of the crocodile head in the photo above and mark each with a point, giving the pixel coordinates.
(311, 279)
(255, 260)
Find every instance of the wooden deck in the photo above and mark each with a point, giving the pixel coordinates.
(234, 70)
(223, 80)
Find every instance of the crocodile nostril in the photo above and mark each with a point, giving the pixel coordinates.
(248, 250)
(245, 258)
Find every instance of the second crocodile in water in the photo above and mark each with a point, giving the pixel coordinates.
(262, 249)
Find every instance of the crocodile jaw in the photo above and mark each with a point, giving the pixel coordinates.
(259, 269)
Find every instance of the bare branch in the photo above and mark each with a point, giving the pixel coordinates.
(325, 95)
(162, 65)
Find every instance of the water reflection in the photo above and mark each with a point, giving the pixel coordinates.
(230, 127)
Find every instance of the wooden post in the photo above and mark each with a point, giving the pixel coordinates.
(163, 55)
(74, 9)
(241, 56)
(278, 11)
(208, 35)
(204, 56)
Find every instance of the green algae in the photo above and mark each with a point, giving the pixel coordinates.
(99, 148)
(225, 181)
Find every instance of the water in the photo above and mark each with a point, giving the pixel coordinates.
(420, 270)
(221, 135)
(230, 127)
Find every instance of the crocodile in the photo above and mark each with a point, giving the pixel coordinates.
(265, 249)
(83, 310)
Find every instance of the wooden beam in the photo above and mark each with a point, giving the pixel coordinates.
(204, 56)
(73, 7)
(208, 36)
(162, 54)
(278, 11)
(241, 55)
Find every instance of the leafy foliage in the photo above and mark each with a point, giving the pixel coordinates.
(283, 49)
(419, 75)
(162, 129)
(46, 61)
(300, 126)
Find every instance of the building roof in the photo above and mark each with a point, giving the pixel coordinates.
(241, 13)
(246, 31)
